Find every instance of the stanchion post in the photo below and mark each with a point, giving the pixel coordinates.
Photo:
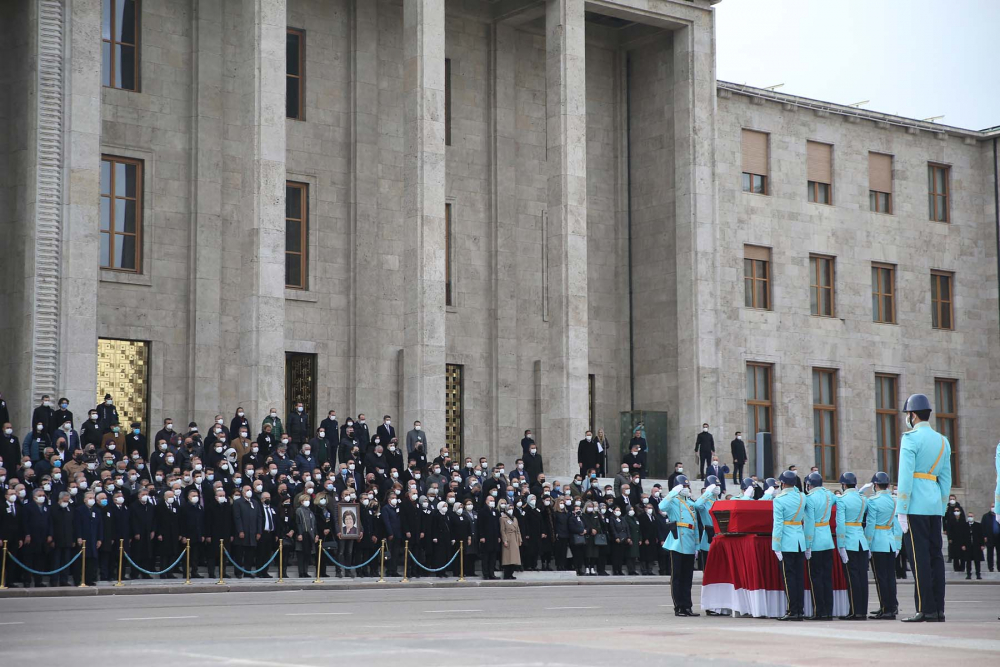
(406, 560)
(121, 554)
(461, 560)
(222, 566)
(319, 562)
(381, 572)
(3, 568)
(281, 559)
(83, 564)
(187, 562)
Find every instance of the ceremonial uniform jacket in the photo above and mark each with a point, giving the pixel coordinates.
(787, 518)
(882, 529)
(924, 472)
(684, 538)
(851, 508)
(820, 506)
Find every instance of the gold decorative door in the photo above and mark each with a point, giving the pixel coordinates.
(123, 372)
(300, 384)
(453, 410)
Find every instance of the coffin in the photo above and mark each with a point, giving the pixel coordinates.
(742, 517)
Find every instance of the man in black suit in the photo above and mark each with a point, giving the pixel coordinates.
(141, 515)
(386, 431)
(716, 468)
(587, 454)
(192, 527)
(361, 432)
(62, 538)
(247, 520)
(37, 534)
(268, 543)
(704, 445)
(88, 531)
(739, 451)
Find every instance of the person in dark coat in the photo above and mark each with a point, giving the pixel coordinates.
(60, 416)
(168, 535)
(530, 520)
(297, 426)
(461, 532)
(972, 550)
(704, 445)
(36, 520)
(191, 524)
(141, 515)
(239, 421)
(305, 533)
(739, 451)
(119, 514)
(109, 543)
(393, 534)
(43, 414)
(218, 530)
(135, 441)
(442, 542)
(62, 539)
(635, 460)
(488, 529)
(247, 525)
(618, 540)
(587, 456)
(386, 431)
(88, 531)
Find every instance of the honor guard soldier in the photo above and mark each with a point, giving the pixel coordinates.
(747, 487)
(820, 506)
(789, 543)
(853, 547)
(682, 543)
(922, 497)
(884, 538)
(770, 488)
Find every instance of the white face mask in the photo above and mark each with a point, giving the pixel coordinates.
(169, 427)
(705, 429)
(239, 414)
(305, 503)
(417, 427)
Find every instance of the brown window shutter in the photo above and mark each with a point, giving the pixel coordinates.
(819, 162)
(754, 152)
(880, 172)
(757, 252)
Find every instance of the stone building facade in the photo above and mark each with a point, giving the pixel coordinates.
(516, 214)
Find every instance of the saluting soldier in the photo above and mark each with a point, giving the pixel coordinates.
(922, 497)
(681, 543)
(884, 537)
(853, 546)
(789, 543)
(820, 506)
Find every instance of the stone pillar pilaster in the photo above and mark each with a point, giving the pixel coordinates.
(423, 210)
(565, 401)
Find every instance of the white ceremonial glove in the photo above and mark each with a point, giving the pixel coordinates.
(778, 554)
(769, 492)
(895, 551)
(865, 487)
(748, 493)
(712, 488)
(869, 554)
(809, 554)
(904, 522)
(677, 489)
(843, 554)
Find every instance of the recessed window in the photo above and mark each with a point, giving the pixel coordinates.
(884, 293)
(120, 44)
(757, 277)
(754, 150)
(942, 300)
(825, 421)
(447, 101)
(887, 423)
(121, 214)
(294, 74)
(946, 420)
(759, 399)
(937, 192)
(819, 168)
(821, 290)
(880, 182)
(449, 284)
(296, 234)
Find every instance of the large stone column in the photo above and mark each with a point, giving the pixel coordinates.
(565, 401)
(423, 207)
(262, 315)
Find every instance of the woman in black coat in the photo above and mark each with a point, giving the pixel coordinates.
(547, 536)
(560, 516)
(461, 532)
(576, 529)
(648, 544)
(218, 530)
(618, 540)
(442, 542)
(593, 526)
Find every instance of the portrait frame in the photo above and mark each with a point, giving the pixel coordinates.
(351, 530)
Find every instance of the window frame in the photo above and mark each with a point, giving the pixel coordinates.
(873, 202)
(301, 76)
(887, 418)
(937, 303)
(933, 194)
(817, 286)
(813, 190)
(749, 177)
(113, 197)
(877, 317)
(303, 235)
(449, 283)
(758, 404)
(447, 101)
(113, 43)
(754, 279)
(952, 419)
(823, 408)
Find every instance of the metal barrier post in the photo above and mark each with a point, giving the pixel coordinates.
(319, 563)
(406, 558)
(187, 561)
(3, 567)
(83, 564)
(222, 563)
(461, 560)
(281, 559)
(381, 574)
(121, 553)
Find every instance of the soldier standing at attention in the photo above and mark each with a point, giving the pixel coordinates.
(884, 537)
(820, 505)
(789, 543)
(681, 543)
(922, 497)
(853, 547)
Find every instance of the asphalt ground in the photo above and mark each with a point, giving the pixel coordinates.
(540, 624)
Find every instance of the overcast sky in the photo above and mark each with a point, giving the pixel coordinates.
(915, 58)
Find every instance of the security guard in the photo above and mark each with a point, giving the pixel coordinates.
(748, 488)
(853, 547)
(885, 537)
(789, 543)
(820, 506)
(922, 497)
(682, 543)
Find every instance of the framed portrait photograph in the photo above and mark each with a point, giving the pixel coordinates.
(349, 521)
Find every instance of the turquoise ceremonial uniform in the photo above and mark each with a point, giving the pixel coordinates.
(882, 528)
(703, 505)
(742, 497)
(924, 472)
(851, 508)
(683, 513)
(788, 516)
(821, 503)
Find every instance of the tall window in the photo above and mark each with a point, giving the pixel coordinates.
(447, 101)
(754, 150)
(946, 418)
(294, 74)
(825, 421)
(821, 291)
(887, 423)
(819, 168)
(758, 399)
(757, 277)
(120, 44)
(942, 300)
(121, 214)
(453, 410)
(296, 234)
(937, 192)
(591, 401)
(449, 296)
(883, 293)
(880, 182)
